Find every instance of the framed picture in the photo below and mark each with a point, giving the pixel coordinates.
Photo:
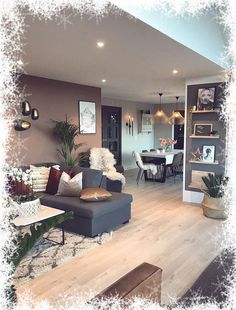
(202, 129)
(206, 99)
(87, 117)
(147, 123)
(208, 153)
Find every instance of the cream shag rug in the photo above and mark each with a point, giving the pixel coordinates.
(46, 255)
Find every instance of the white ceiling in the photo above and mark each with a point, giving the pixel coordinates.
(137, 60)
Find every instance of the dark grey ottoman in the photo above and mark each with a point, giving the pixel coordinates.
(92, 218)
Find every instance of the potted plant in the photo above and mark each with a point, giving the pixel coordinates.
(66, 134)
(21, 192)
(213, 204)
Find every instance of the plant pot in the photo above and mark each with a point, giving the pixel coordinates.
(29, 208)
(213, 207)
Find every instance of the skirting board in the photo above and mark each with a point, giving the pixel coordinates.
(194, 197)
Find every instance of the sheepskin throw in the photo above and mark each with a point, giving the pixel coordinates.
(103, 159)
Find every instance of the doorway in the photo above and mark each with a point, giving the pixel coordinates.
(179, 134)
(111, 131)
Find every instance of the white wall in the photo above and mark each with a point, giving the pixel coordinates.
(137, 142)
(165, 130)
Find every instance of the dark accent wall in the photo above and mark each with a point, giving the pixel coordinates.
(54, 99)
(193, 144)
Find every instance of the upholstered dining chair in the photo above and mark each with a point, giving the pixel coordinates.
(177, 165)
(152, 150)
(151, 168)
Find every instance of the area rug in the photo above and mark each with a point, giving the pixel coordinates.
(46, 255)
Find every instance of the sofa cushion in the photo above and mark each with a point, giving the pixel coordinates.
(70, 186)
(94, 194)
(87, 209)
(91, 177)
(53, 181)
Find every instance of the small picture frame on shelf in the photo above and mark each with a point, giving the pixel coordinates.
(202, 129)
(206, 99)
(208, 153)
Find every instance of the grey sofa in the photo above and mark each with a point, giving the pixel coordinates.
(91, 218)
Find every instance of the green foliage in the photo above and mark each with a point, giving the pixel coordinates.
(215, 184)
(66, 134)
(24, 198)
(25, 243)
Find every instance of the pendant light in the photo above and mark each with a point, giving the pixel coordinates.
(160, 114)
(21, 125)
(176, 118)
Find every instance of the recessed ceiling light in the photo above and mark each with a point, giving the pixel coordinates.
(104, 80)
(175, 71)
(100, 44)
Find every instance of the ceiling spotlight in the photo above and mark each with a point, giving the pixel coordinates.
(100, 44)
(104, 80)
(175, 71)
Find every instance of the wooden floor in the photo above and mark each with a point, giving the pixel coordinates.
(164, 231)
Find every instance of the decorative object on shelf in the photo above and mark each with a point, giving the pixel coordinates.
(214, 133)
(34, 114)
(208, 153)
(197, 155)
(206, 99)
(20, 185)
(87, 117)
(176, 118)
(160, 114)
(146, 121)
(66, 134)
(213, 204)
(130, 125)
(202, 129)
(166, 143)
(20, 124)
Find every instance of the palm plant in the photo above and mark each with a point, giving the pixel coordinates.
(215, 184)
(66, 134)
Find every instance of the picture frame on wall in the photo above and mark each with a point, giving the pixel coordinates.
(208, 153)
(202, 129)
(87, 117)
(206, 99)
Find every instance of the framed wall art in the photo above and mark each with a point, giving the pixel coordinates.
(208, 153)
(202, 129)
(87, 117)
(206, 99)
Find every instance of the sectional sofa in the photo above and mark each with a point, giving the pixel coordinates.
(91, 218)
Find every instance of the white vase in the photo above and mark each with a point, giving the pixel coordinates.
(29, 208)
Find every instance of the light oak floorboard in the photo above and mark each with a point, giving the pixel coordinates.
(163, 231)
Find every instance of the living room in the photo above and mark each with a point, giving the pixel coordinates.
(61, 74)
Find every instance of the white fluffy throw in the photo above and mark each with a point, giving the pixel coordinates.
(103, 159)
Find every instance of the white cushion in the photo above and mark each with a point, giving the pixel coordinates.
(40, 176)
(68, 186)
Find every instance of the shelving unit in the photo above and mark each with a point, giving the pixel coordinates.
(204, 137)
(202, 112)
(203, 162)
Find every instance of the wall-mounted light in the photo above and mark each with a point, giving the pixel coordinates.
(130, 125)
(34, 114)
(26, 108)
(21, 125)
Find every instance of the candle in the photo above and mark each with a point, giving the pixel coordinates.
(132, 125)
(129, 125)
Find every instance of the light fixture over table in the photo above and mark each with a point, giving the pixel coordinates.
(176, 118)
(160, 114)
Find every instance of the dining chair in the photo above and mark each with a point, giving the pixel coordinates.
(152, 150)
(144, 151)
(177, 165)
(143, 167)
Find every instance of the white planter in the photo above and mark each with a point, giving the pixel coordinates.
(29, 208)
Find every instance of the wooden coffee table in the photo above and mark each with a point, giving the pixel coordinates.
(44, 214)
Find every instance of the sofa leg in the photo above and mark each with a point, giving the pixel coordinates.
(126, 222)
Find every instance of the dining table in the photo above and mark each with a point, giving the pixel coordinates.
(163, 159)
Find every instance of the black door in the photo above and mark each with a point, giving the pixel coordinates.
(111, 130)
(179, 135)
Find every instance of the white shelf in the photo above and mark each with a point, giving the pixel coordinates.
(204, 137)
(208, 111)
(203, 162)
